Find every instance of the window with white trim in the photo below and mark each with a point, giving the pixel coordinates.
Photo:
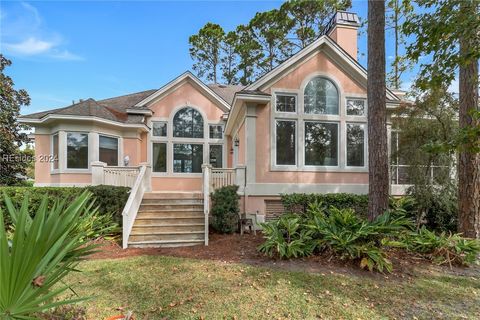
(108, 150)
(216, 155)
(159, 128)
(55, 147)
(326, 131)
(77, 150)
(321, 143)
(321, 97)
(215, 131)
(286, 102)
(286, 142)
(356, 144)
(188, 123)
(356, 107)
(159, 163)
(187, 157)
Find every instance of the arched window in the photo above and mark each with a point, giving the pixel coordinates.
(321, 97)
(188, 123)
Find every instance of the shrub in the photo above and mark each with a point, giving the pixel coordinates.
(110, 200)
(443, 248)
(43, 250)
(287, 237)
(338, 231)
(225, 209)
(348, 236)
(299, 202)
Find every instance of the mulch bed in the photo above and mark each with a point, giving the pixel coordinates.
(243, 249)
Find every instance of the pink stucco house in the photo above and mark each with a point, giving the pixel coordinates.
(300, 128)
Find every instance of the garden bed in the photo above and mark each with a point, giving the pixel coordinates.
(236, 248)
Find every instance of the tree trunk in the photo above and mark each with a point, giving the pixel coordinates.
(469, 162)
(378, 186)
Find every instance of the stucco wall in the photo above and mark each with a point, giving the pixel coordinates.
(185, 94)
(296, 80)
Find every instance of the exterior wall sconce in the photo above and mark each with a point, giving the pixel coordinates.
(236, 142)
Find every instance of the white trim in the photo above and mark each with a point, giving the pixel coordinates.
(275, 189)
(286, 167)
(43, 184)
(301, 56)
(177, 81)
(365, 145)
(285, 93)
(89, 118)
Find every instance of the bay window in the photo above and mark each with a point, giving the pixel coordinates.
(108, 150)
(77, 150)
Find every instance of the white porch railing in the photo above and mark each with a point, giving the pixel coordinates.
(113, 176)
(221, 177)
(138, 178)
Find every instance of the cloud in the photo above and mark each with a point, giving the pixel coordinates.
(30, 46)
(28, 35)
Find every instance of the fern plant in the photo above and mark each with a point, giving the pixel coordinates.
(41, 252)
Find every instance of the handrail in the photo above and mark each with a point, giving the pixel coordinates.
(130, 210)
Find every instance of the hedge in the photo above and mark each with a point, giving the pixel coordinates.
(298, 202)
(109, 199)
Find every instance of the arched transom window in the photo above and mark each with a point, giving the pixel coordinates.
(321, 97)
(188, 123)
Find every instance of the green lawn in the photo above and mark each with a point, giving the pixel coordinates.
(158, 287)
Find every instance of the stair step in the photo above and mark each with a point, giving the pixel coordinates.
(199, 227)
(146, 233)
(168, 222)
(171, 201)
(164, 243)
(173, 195)
(174, 207)
(167, 237)
(170, 215)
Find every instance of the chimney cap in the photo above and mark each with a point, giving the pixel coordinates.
(343, 18)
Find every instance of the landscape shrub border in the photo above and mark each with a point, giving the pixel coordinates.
(109, 199)
(299, 202)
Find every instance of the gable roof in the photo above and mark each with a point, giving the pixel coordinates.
(184, 77)
(336, 53)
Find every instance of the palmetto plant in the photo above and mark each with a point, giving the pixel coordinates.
(39, 254)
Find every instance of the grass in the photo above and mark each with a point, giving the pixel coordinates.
(158, 287)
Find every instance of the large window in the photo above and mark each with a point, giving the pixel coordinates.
(216, 155)
(286, 142)
(355, 145)
(188, 123)
(77, 150)
(159, 157)
(321, 144)
(321, 97)
(108, 150)
(187, 158)
(55, 151)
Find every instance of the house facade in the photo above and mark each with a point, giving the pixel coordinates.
(302, 127)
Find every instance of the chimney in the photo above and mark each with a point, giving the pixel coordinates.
(342, 28)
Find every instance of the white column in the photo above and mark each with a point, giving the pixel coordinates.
(147, 179)
(98, 175)
(207, 170)
(240, 175)
(251, 144)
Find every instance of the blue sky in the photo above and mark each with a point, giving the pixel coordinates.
(64, 51)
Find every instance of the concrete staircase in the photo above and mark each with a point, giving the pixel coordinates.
(169, 220)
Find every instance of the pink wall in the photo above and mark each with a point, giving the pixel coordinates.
(42, 148)
(346, 38)
(176, 184)
(293, 80)
(132, 149)
(186, 95)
